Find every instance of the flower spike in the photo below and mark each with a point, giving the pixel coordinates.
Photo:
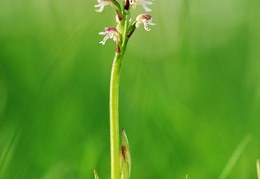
(102, 3)
(146, 19)
(141, 2)
(110, 33)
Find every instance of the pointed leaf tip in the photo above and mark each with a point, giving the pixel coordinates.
(125, 157)
(124, 139)
(95, 174)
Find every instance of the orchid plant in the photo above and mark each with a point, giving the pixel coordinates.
(120, 161)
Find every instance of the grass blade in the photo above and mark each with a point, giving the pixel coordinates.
(258, 168)
(233, 159)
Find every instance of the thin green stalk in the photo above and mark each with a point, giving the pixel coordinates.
(114, 121)
(114, 95)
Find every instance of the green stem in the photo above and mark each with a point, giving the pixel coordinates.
(114, 121)
(114, 94)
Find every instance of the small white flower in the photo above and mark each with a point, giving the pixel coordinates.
(102, 4)
(110, 33)
(141, 2)
(146, 19)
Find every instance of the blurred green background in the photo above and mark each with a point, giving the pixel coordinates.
(189, 94)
